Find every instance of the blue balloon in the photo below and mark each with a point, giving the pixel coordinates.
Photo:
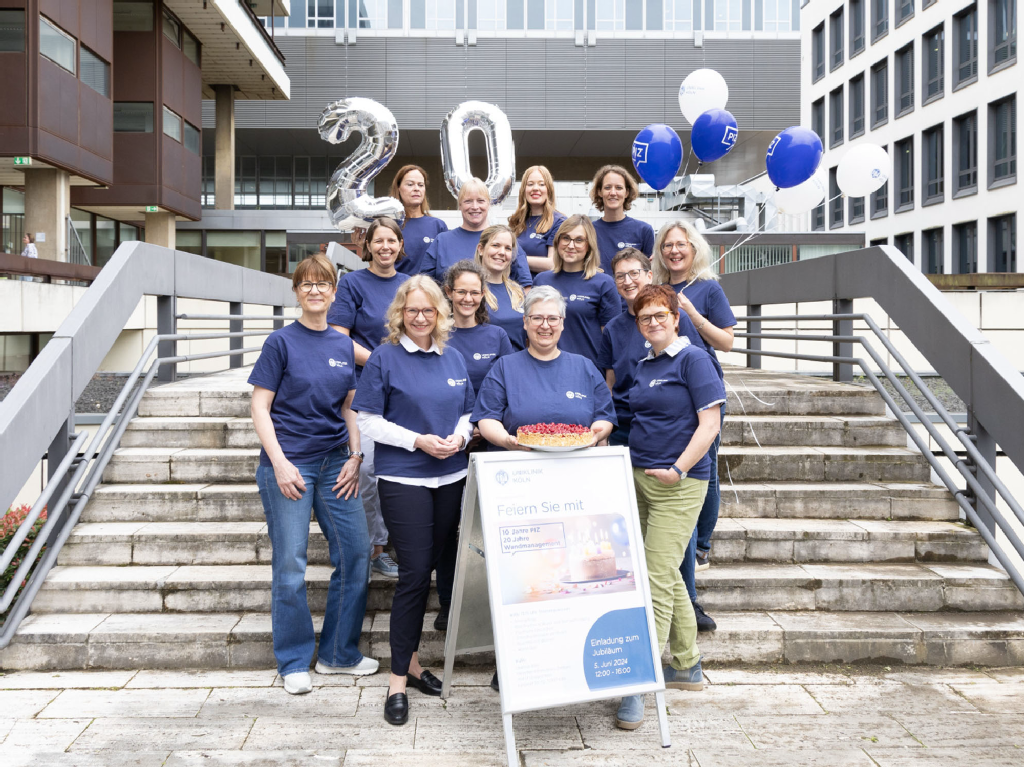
(713, 135)
(657, 154)
(793, 156)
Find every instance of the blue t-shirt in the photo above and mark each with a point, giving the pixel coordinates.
(457, 244)
(666, 395)
(613, 236)
(422, 391)
(622, 348)
(522, 390)
(418, 234)
(310, 372)
(362, 301)
(505, 317)
(589, 306)
(535, 244)
(709, 299)
(481, 346)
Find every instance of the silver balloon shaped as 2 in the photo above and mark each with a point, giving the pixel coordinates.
(347, 200)
(501, 154)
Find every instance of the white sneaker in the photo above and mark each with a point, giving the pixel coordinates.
(298, 683)
(363, 668)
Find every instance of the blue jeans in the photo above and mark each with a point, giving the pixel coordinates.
(343, 523)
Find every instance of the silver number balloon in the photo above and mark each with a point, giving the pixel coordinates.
(347, 201)
(501, 153)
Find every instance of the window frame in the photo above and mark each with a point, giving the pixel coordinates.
(857, 43)
(169, 18)
(994, 237)
(879, 72)
(904, 237)
(1009, 178)
(24, 28)
(904, 58)
(928, 77)
(904, 176)
(818, 67)
(879, 21)
(902, 18)
(836, 111)
(188, 129)
(818, 117)
(856, 85)
(836, 40)
(964, 230)
(835, 210)
(69, 37)
(969, 13)
(958, 126)
(933, 148)
(929, 237)
(152, 117)
(855, 216)
(170, 117)
(1011, 40)
(82, 51)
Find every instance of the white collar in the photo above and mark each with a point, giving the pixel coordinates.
(410, 346)
(672, 349)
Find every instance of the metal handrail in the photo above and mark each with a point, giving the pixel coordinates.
(76, 250)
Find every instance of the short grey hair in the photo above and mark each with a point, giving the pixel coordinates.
(544, 293)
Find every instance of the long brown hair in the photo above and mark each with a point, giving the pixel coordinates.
(456, 270)
(396, 182)
(519, 219)
(591, 261)
(515, 292)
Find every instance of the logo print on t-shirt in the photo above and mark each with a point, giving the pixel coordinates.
(622, 245)
(427, 239)
(572, 297)
(657, 382)
(535, 236)
(647, 344)
(476, 356)
(451, 382)
(575, 395)
(337, 363)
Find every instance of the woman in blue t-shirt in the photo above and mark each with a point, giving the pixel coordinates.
(613, 192)
(675, 401)
(304, 382)
(683, 261)
(496, 253)
(542, 384)
(592, 299)
(409, 187)
(414, 401)
(535, 220)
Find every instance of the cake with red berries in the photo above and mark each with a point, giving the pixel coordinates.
(554, 435)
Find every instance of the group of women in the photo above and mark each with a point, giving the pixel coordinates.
(367, 405)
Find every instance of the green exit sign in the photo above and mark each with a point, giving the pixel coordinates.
(22, 160)
(152, 209)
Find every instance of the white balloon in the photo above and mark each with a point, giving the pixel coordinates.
(802, 197)
(863, 170)
(703, 89)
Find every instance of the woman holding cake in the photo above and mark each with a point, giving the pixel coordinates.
(496, 254)
(414, 400)
(409, 187)
(676, 401)
(592, 299)
(535, 220)
(543, 387)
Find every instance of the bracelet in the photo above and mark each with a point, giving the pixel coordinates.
(677, 470)
(357, 454)
(705, 322)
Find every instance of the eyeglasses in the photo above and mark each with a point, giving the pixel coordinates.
(474, 294)
(306, 287)
(579, 242)
(668, 247)
(428, 313)
(633, 274)
(660, 317)
(538, 319)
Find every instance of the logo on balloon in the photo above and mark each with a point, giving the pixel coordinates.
(657, 154)
(771, 146)
(876, 173)
(730, 136)
(639, 153)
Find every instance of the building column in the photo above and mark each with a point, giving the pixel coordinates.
(160, 229)
(224, 148)
(47, 205)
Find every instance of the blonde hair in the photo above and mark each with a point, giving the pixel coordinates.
(474, 185)
(632, 190)
(591, 261)
(700, 269)
(396, 184)
(394, 320)
(518, 220)
(515, 292)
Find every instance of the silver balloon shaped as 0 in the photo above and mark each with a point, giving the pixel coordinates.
(347, 200)
(501, 154)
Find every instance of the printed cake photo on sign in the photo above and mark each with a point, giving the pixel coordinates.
(572, 557)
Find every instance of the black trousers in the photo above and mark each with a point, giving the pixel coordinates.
(420, 522)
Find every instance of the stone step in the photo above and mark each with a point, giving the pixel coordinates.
(838, 587)
(201, 502)
(735, 540)
(817, 431)
(243, 640)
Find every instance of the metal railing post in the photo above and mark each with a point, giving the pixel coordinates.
(166, 325)
(842, 371)
(235, 326)
(754, 328)
(987, 447)
(278, 312)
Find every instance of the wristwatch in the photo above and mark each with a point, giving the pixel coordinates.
(357, 454)
(677, 470)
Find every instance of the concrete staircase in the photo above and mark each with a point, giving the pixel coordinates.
(833, 546)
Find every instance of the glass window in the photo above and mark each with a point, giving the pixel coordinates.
(373, 14)
(934, 63)
(172, 124)
(904, 157)
(856, 106)
(856, 27)
(192, 137)
(245, 181)
(856, 210)
(1002, 117)
(966, 46)
(728, 15)
(818, 117)
(905, 80)
(12, 31)
(190, 47)
(778, 16)
(965, 151)
(133, 16)
(610, 15)
(818, 218)
(189, 241)
(904, 10)
(879, 241)
(679, 15)
(435, 14)
(880, 93)
(835, 34)
(320, 13)
(234, 247)
(172, 29)
(904, 243)
(933, 251)
(933, 178)
(95, 71)
(965, 247)
(818, 53)
(56, 45)
(106, 240)
(835, 117)
(1002, 247)
(133, 117)
(880, 201)
(835, 200)
(879, 18)
(634, 14)
(560, 15)
(1002, 16)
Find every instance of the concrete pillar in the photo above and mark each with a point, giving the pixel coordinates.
(224, 148)
(47, 205)
(160, 229)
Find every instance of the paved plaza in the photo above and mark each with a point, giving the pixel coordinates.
(836, 716)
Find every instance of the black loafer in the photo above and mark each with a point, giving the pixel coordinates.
(428, 684)
(396, 709)
(441, 621)
(494, 682)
